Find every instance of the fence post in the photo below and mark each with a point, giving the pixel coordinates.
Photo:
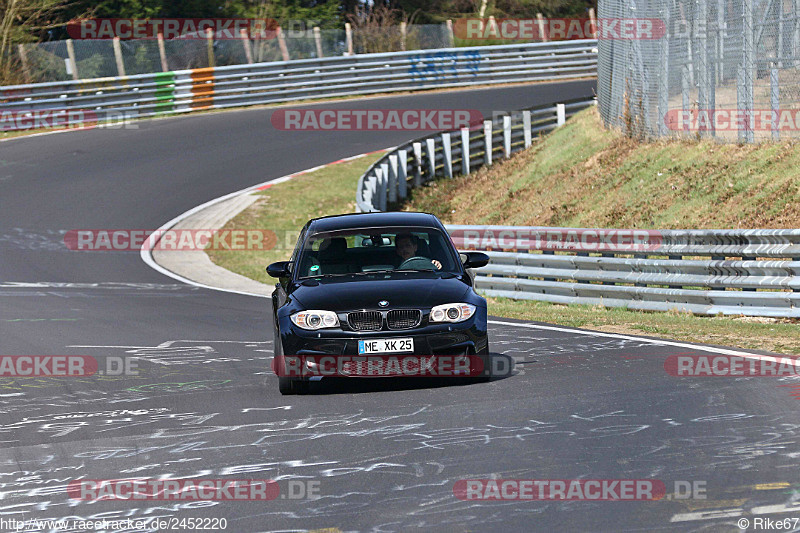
(23, 58)
(663, 82)
(210, 47)
(526, 127)
(430, 145)
(403, 33)
(417, 148)
(248, 51)
(318, 41)
(775, 99)
(118, 56)
(282, 44)
(685, 109)
(704, 74)
(487, 135)
(593, 22)
(451, 41)
(561, 114)
(465, 151)
(748, 64)
(507, 136)
(795, 30)
(348, 35)
(402, 173)
(447, 153)
(162, 52)
(720, 49)
(542, 31)
(72, 63)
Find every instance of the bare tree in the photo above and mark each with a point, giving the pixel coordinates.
(378, 29)
(20, 21)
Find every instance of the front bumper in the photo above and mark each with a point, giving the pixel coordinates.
(461, 338)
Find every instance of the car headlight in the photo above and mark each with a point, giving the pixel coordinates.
(314, 319)
(452, 312)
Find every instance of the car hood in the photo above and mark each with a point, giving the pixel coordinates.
(411, 289)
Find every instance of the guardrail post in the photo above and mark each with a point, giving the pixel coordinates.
(430, 144)
(417, 147)
(561, 114)
(72, 63)
(372, 189)
(402, 173)
(526, 127)
(118, 56)
(465, 151)
(392, 169)
(447, 153)
(382, 179)
(507, 136)
(487, 134)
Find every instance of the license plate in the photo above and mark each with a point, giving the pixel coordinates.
(385, 346)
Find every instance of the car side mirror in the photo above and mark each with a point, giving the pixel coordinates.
(475, 259)
(279, 269)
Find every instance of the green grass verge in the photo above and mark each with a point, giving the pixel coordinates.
(581, 175)
(284, 208)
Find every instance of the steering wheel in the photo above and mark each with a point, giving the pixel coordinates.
(417, 262)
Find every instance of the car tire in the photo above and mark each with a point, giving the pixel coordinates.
(288, 386)
(486, 375)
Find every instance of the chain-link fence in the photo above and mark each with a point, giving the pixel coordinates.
(728, 69)
(95, 58)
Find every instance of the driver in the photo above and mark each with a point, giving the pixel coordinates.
(405, 246)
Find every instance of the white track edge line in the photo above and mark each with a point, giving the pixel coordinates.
(699, 347)
(146, 254)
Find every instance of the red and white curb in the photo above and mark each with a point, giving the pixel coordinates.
(147, 255)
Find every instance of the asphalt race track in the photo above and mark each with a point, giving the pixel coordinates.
(380, 456)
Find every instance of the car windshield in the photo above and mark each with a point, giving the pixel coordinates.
(365, 250)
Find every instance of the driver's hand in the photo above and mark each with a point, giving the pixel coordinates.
(437, 264)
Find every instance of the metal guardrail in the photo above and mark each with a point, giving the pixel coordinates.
(446, 154)
(706, 272)
(185, 91)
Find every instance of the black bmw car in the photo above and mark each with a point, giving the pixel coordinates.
(377, 289)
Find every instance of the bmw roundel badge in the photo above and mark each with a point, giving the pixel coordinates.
(383, 303)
